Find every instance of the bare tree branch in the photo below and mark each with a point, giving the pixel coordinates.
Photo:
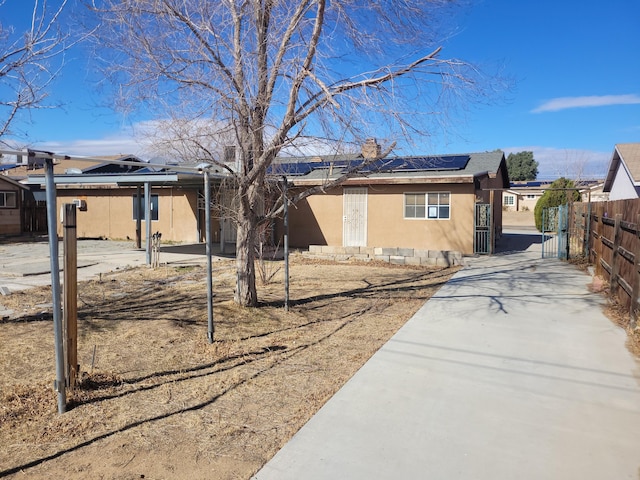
(29, 61)
(270, 72)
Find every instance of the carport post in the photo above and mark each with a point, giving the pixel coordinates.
(138, 210)
(285, 203)
(147, 219)
(207, 216)
(60, 383)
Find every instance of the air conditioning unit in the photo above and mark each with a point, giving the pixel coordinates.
(80, 204)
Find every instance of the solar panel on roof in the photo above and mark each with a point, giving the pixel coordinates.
(408, 164)
(404, 164)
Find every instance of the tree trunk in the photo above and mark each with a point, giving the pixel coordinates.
(246, 294)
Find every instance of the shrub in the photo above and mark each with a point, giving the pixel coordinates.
(560, 192)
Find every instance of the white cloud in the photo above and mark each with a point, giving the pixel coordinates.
(563, 103)
(123, 142)
(572, 163)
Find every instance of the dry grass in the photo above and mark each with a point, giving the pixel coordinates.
(620, 316)
(158, 401)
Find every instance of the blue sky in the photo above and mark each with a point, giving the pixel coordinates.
(576, 66)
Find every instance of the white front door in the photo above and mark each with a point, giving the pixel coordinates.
(354, 217)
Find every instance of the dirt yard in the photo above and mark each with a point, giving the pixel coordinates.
(157, 401)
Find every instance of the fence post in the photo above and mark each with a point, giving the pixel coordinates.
(597, 241)
(633, 307)
(70, 289)
(615, 256)
(587, 232)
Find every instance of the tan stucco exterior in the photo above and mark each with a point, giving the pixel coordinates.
(318, 220)
(109, 213)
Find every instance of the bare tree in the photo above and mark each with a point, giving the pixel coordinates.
(30, 58)
(270, 73)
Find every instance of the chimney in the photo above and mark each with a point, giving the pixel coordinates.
(371, 149)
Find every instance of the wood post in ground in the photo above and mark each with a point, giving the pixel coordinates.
(633, 305)
(70, 304)
(615, 255)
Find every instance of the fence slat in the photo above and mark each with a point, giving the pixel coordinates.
(610, 239)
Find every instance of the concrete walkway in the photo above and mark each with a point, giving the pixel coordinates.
(510, 372)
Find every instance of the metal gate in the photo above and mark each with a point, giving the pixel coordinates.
(482, 229)
(555, 232)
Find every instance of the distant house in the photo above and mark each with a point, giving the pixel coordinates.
(623, 176)
(435, 203)
(523, 196)
(11, 206)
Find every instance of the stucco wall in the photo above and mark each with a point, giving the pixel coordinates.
(318, 219)
(109, 213)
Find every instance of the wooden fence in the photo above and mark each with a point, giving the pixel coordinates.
(608, 233)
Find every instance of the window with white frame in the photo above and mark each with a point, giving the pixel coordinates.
(509, 200)
(8, 199)
(433, 205)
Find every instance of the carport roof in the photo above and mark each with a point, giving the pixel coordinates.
(126, 179)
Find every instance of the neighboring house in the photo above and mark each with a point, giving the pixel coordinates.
(424, 203)
(12, 194)
(523, 196)
(593, 192)
(623, 177)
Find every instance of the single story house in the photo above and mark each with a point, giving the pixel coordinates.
(523, 196)
(421, 203)
(446, 203)
(623, 176)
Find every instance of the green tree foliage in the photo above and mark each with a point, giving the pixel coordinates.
(522, 166)
(560, 192)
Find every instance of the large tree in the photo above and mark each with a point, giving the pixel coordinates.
(522, 166)
(30, 57)
(266, 74)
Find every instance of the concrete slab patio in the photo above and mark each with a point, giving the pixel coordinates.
(511, 371)
(26, 264)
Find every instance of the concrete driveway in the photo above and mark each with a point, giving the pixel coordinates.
(510, 372)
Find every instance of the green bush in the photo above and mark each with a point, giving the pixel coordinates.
(560, 192)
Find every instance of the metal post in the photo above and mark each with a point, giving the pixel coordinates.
(70, 289)
(147, 219)
(138, 210)
(207, 216)
(285, 201)
(543, 229)
(55, 285)
(492, 235)
(587, 247)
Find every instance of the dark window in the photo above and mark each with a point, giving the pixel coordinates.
(8, 200)
(154, 207)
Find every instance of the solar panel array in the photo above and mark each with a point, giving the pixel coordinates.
(403, 164)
